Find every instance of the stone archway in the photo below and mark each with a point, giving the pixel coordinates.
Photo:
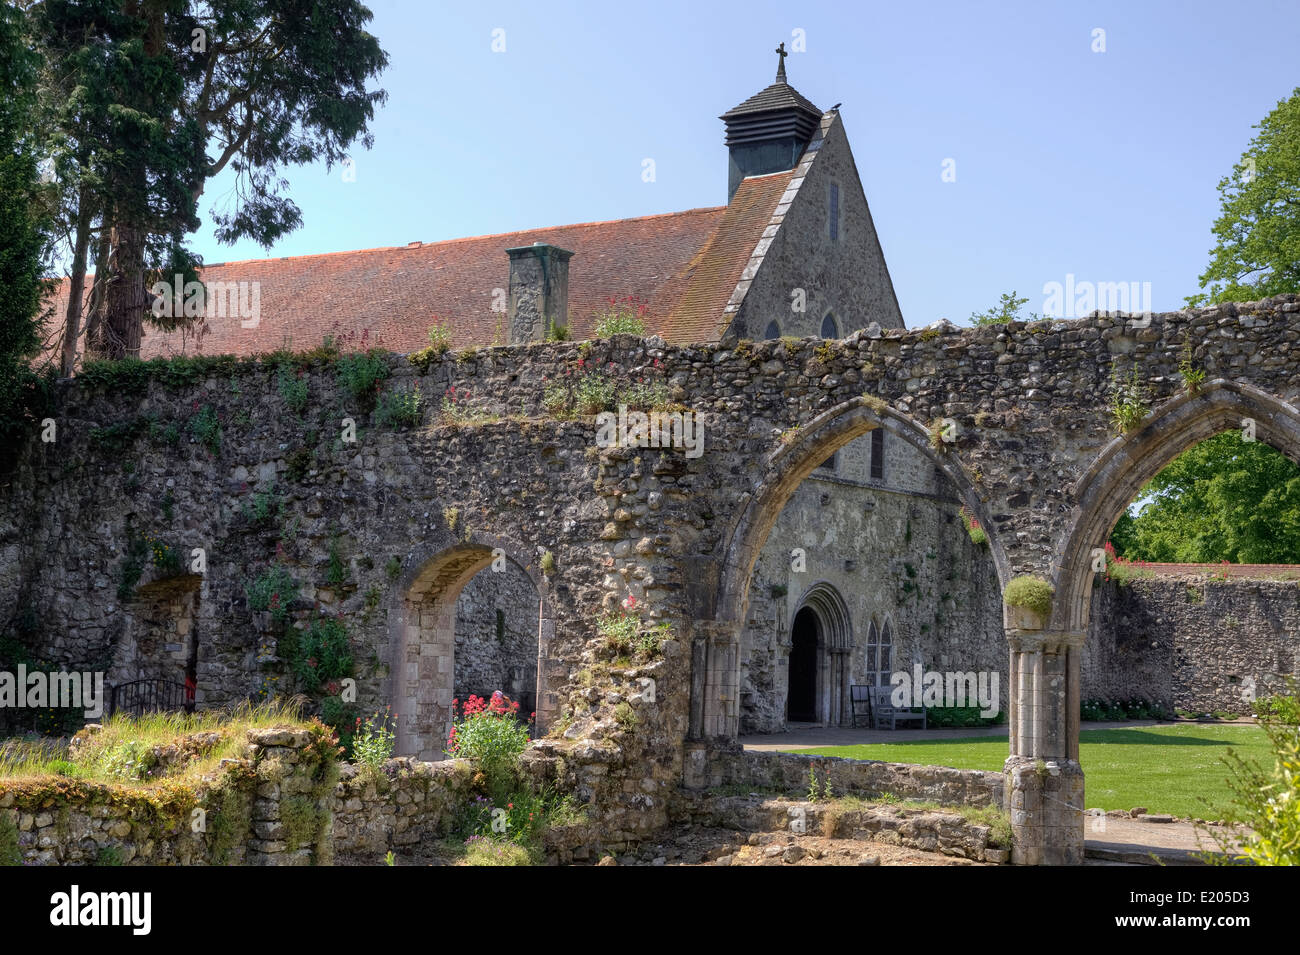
(1127, 463)
(1046, 778)
(422, 635)
(715, 686)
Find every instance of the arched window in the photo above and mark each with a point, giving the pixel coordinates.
(830, 328)
(880, 654)
(773, 331)
(886, 660)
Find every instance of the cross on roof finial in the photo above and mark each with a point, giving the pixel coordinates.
(780, 70)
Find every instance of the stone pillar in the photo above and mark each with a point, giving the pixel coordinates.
(552, 674)
(719, 710)
(1043, 772)
(539, 291)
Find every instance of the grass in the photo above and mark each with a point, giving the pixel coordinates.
(123, 751)
(1166, 769)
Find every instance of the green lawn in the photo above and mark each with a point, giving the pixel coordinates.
(1172, 769)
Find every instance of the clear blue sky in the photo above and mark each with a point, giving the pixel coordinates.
(1103, 165)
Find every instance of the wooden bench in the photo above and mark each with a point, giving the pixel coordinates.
(884, 712)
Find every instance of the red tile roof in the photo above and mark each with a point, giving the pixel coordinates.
(684, 265)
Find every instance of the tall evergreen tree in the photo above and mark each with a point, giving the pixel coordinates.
(23, 236)
(194, 88)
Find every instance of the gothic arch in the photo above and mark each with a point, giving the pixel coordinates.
(789, 463)
(1128, 462)
(716, 660)
(421, 629)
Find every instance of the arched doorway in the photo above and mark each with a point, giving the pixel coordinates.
(805, 657)
(718, 690)
(423, 637)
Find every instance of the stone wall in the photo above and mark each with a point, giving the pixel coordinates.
(896, 555)
(405, 803)
(212, 456)
(263, 809)
(718, 766)
(1192, 642)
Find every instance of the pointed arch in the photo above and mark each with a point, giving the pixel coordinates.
(1127, 463)
(789, 463)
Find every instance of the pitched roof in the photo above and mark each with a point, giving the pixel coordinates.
(684, 265)
(780, 95)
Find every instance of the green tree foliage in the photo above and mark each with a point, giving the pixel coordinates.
(1007, 310)
(1224, 499)
(1257, 234)
(23, 237)
(152, 98)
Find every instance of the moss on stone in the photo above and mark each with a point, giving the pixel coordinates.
(10, 854)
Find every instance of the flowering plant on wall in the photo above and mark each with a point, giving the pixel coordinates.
(490, 734)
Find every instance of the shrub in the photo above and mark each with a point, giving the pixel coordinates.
(400, 408)
(439, 338)
(973, 528)
(624, 316)
(489, 733)
(1193, 377)
(1031, 593)
(165, 558)
(293, 388)
(619, 631)
(361, 372)
(274, 591)
(1268, 799)
(205, 425)
(373, 742)
(1279, 708)
(1128, 403)
(323, 653)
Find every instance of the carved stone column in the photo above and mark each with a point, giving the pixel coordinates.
(1044, 777)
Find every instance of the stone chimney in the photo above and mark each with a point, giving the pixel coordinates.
(539, 291)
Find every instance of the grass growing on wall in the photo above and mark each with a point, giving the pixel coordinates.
(123, 751)
(1168, 769)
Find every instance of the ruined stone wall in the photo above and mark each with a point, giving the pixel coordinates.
(731, 766)
(406, 802)
(187, 454)
(1192, 643)
(265, 808)
(894, 556)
